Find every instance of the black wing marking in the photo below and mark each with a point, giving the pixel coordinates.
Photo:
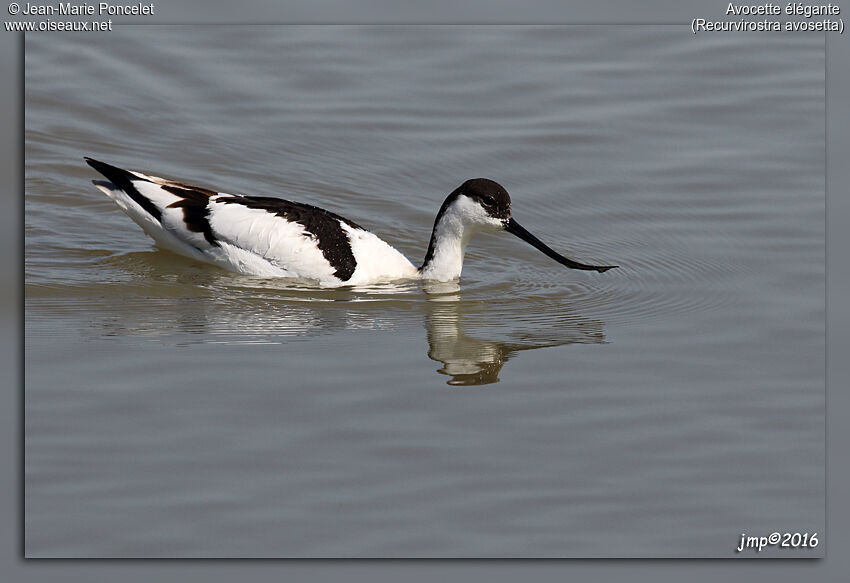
(196, 209)
(123, 180)
(323, 226)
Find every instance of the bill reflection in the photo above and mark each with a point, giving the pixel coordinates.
(457, 335)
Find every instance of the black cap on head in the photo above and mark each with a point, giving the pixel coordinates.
(497, 203)
(489, 194)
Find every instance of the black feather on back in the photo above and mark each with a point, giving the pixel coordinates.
(323, 226)
(196, 209)
(124, 180)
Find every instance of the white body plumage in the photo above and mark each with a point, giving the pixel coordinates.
(272, 237)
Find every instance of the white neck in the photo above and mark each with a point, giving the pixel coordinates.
(456, 222)
(448, 244)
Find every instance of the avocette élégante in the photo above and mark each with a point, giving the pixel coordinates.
(272, 237)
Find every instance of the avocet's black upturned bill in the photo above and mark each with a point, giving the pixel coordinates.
(271, 237)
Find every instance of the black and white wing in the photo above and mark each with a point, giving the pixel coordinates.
(248, 234)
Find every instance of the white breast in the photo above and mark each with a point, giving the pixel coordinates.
(376, 260)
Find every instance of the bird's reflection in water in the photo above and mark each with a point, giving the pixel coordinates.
(472, 361)
(472, 333)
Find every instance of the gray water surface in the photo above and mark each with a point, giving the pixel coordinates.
(660, 409)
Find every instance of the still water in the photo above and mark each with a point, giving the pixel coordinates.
(661, 409)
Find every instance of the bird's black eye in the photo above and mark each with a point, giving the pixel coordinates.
(489, 200)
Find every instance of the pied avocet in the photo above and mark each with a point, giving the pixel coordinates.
(272, 237)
